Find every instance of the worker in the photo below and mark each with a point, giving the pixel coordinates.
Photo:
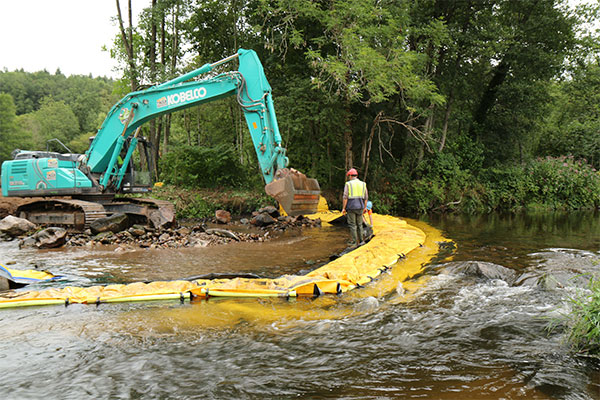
(369, 212)
(354, 205)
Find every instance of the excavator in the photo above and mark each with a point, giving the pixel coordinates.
(77, 189)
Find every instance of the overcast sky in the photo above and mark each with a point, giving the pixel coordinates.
(66, 34)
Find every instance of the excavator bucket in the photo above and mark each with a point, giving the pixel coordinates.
(297, 194)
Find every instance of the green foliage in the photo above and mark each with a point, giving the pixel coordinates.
(443, 105)
(11, 135)
(573, 125)
(53, 120)
(80, 143)
(564, 182)
(202, 203)
(583, 322)
(54, 106)
(193, 166)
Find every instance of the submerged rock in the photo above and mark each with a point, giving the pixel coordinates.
(481, 269)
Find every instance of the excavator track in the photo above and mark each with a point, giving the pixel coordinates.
(72, 213)
(80, 214)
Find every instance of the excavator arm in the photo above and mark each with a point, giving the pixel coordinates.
(296, 193)
(101, 170)
(248, 83)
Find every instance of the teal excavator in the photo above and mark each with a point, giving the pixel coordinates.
(76, 189)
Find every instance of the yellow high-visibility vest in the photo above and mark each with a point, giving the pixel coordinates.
(356, 189)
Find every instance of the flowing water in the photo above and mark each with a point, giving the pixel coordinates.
(453, 332)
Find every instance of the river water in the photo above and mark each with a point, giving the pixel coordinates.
(447, 334)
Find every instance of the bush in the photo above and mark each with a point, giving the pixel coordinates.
(202, 203)
(583, 322)
(564, 182)
(543, 184)
(192, 166)
(506, 188)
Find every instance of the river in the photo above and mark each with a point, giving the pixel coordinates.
(446, 334)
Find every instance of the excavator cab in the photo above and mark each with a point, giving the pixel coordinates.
(296, 193)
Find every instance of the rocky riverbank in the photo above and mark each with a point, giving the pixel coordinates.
(264, 224)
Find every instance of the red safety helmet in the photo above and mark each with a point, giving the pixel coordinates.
(352, 172)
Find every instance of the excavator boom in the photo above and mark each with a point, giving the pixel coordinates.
(102, 169)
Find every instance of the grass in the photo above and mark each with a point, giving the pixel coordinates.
(583, 322)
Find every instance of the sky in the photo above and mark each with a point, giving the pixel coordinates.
(64, 34)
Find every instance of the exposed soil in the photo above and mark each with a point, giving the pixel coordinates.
(8, 205)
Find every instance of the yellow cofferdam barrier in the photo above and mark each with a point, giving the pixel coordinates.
(393, 240)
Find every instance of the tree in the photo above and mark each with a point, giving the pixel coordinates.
(572, 126)
(358, 54)
(11, 135)
(54, 120)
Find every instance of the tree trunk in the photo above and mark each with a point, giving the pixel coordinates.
(174, 53)
(187, 124)
(446, 119)
(153, 78)
(127, 37)
(348, 157)
(369, 144)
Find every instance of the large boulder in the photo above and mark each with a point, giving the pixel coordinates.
(48, 238)
(115, 223)
(14, 226)
(162, 218)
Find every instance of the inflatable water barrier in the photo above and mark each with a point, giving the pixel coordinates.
(393, 239)
(16, 278)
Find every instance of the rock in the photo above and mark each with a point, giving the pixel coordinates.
(115, 223)
(27, 242)
(104, 237)
(244, 221)
(481, 269)
(223, 217)
(48, 238)
(184, 231)
(164, 237)
(223, 233)
(162, 218)
(272, 211)
(136, 231)
(14, 226)
(263, 219)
